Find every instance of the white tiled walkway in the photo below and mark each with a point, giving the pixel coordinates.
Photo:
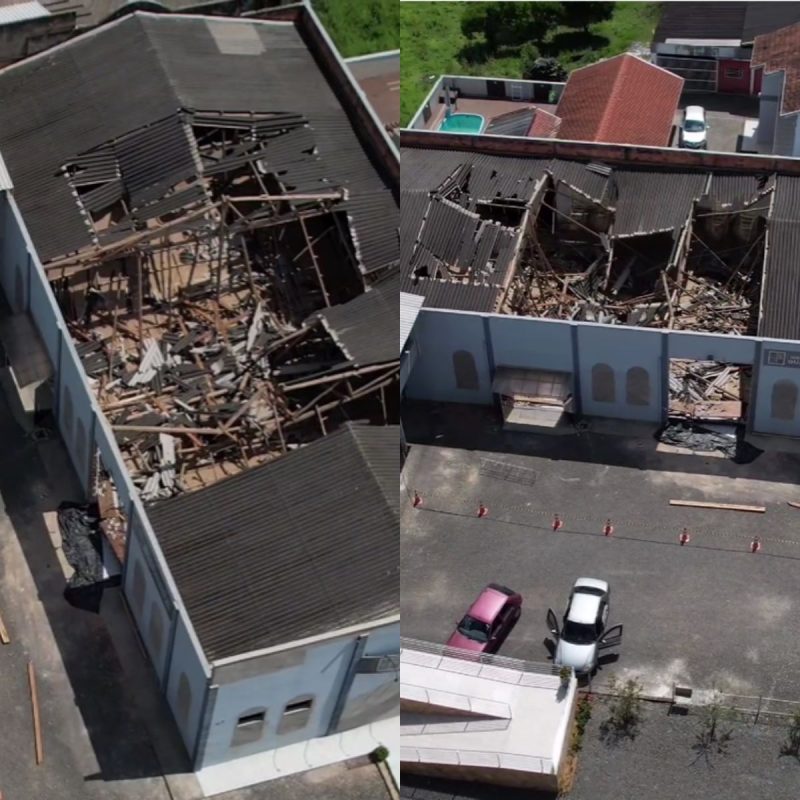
(300, 757)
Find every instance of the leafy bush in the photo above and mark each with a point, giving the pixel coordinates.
(379, 754)
(625, 710)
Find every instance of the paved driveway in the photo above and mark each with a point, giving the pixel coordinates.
(709, 615)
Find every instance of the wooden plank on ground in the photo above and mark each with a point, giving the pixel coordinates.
(793, 505)
(721, 506)
(37, 726)
(4, 638)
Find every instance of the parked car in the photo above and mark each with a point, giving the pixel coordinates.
(584, 631)
(488, 620)
(694, 129)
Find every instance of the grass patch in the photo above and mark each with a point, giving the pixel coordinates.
(359, 27)
(432, 44)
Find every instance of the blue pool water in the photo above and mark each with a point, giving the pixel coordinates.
(462, 123)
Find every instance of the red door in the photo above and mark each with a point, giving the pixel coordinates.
(733, 76)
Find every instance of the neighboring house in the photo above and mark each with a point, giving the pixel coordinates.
(30, 26)
(778, 53)
(623, 100)
(485, 718)
(710, 45)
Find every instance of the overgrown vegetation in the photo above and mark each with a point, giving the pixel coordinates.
(583, 713)
(791, 747)
(713, 735)
(495, 39)
(624, 711)
(380, 753)
(359, 27)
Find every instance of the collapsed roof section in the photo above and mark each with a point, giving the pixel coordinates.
(198, 196)
(671, 248)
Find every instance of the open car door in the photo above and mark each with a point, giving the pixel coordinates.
(552, 623)
(610, 638)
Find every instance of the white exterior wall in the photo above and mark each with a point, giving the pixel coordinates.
(271, 681)
(496, 340)
(433, 377)
(768, 108)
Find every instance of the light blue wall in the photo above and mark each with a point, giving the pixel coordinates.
(622, 349)
(767, 377)
(438, 335)
(712, 347)
(186, 661)
(274, 683)
(540, 343)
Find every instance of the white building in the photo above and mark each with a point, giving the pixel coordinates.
(490, 719)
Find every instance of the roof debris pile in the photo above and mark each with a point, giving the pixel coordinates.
(218, 241)
(668, 248)
(708, 389)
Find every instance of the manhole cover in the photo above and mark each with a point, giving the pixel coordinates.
(501, 471)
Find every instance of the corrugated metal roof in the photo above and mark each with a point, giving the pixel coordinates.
(781, 282)
(410, 304)
(648, 200)
(366, 326)
(681, 20)
(20, 12)
(129, 75)
(300, 546)
(452, 294)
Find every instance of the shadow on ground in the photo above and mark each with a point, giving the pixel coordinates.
(36, 477)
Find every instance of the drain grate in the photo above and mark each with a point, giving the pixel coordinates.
(501, 471)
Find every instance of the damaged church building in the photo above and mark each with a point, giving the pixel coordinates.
(200, 268)
(568, 280)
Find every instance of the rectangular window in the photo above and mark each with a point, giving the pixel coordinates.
(733, 73)
(296, 715)
(373, 664)
(249, 727)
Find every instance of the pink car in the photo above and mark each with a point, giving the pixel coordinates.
(488, 620)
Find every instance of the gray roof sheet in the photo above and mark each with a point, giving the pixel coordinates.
(780, 317)
(298, 547)
(140, 71)
(366, 327)
(453, 295)
(651, 200)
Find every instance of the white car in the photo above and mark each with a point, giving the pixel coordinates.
(584, 631)
(694, 129)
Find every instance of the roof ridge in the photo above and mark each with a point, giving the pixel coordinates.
(612, 95)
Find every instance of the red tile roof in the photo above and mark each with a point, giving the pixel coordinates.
(545, 125)
(624, 100)
(780, 50)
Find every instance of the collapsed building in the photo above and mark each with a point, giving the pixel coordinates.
(200, 256)
(621, 240)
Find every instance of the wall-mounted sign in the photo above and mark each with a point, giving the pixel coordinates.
(782, 358)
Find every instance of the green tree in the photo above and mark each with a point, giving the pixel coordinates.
(528, 56)
(545, 69)
(582, 15)
(513, 23)
(473, 19)
(624, 710)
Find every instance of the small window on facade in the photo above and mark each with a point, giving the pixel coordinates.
(296, 714)
(465, 370)
(603, 390)
(732, 72)
(637, 387)
(784, 400)
(156, 631)
(137, 588)
(249, 727)
(184, 700)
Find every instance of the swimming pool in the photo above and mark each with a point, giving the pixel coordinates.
(462, 123)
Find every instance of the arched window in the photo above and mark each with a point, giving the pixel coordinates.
(67, 414)
(156, 631)
(296, 714)
(784, 400)
(637, 387)
(137, 588)
(465, 370)
(184, 700)
(249, 726)
(603, 390)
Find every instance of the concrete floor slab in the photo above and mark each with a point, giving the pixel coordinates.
(708, 615)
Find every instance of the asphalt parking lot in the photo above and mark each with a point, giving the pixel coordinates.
(709, 615)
